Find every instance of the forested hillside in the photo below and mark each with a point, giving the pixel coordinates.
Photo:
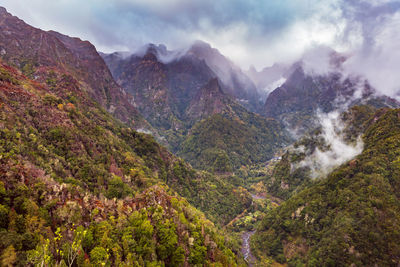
(156, 157)
(65, 162)
(197, 108)
(351, 217)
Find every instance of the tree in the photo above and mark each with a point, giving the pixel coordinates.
(41, 255)
(71, 251)
(117, 188)
(99, 256)
(8, 257)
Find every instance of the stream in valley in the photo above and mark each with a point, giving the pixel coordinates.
(246, 251)
(248, 257)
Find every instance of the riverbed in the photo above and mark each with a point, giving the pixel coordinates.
(246, 251)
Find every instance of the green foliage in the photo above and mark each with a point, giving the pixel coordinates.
(352, 216)
(58, 163)
(222, 143)
(41, 256)
(89, 148)
(117, 188)
(178, 256)
(51, 100)
(197, 255)
(288, 177)
(6, 76)
(8, 257)
(99, 256)
(51, 80)
(4, 210)
(28, 69)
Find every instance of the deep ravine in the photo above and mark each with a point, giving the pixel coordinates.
(248, 256)
(246, 250)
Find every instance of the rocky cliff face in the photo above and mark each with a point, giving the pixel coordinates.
(178, 77)
(46, 56)
(234, 81)
(162, 91)
(208, 101)
(187, 100)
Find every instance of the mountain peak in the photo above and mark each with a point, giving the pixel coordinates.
(3, 11)
(232, 78)
(203, 50)
(150, 56)
(52, 52)
(201, 44)
(155, 49)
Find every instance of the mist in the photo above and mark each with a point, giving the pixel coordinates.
(368, 45)
(323, 161)
(258, 33)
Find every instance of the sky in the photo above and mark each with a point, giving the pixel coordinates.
(249, 32)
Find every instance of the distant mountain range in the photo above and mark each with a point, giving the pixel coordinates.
(175, 91)
(84, 183)
(74, 172)
(166, 93)
(297, 101)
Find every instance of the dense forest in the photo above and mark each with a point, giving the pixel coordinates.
(79, 186)
(179, 158)
(351, 216)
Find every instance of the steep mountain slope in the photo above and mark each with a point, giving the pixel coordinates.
(234, 81)
(208, 100)
(303, 161)
(297, 101)
(45, 55)
(61, 153)
(176, 96)
(229, 138)
(161, 91)
(269, 78)
(350, 218)
(78, 133)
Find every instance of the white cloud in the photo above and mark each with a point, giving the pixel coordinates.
(322, 162)
(379, 62)
(275, 84)
(257, 33)
(249, 32)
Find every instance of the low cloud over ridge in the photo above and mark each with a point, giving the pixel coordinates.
(252, 32)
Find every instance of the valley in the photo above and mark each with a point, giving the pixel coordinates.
(246, 251)
(159, 157)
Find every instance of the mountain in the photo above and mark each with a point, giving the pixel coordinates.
(234, 80)
(73, 77)
(209, 100)
(77, 185)
(269, 78)
(161, 92)
(297, 101)
(352, 216)
(47, 56)
(180, 95)
(226, 139)
(318, 152)
(66, 95)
